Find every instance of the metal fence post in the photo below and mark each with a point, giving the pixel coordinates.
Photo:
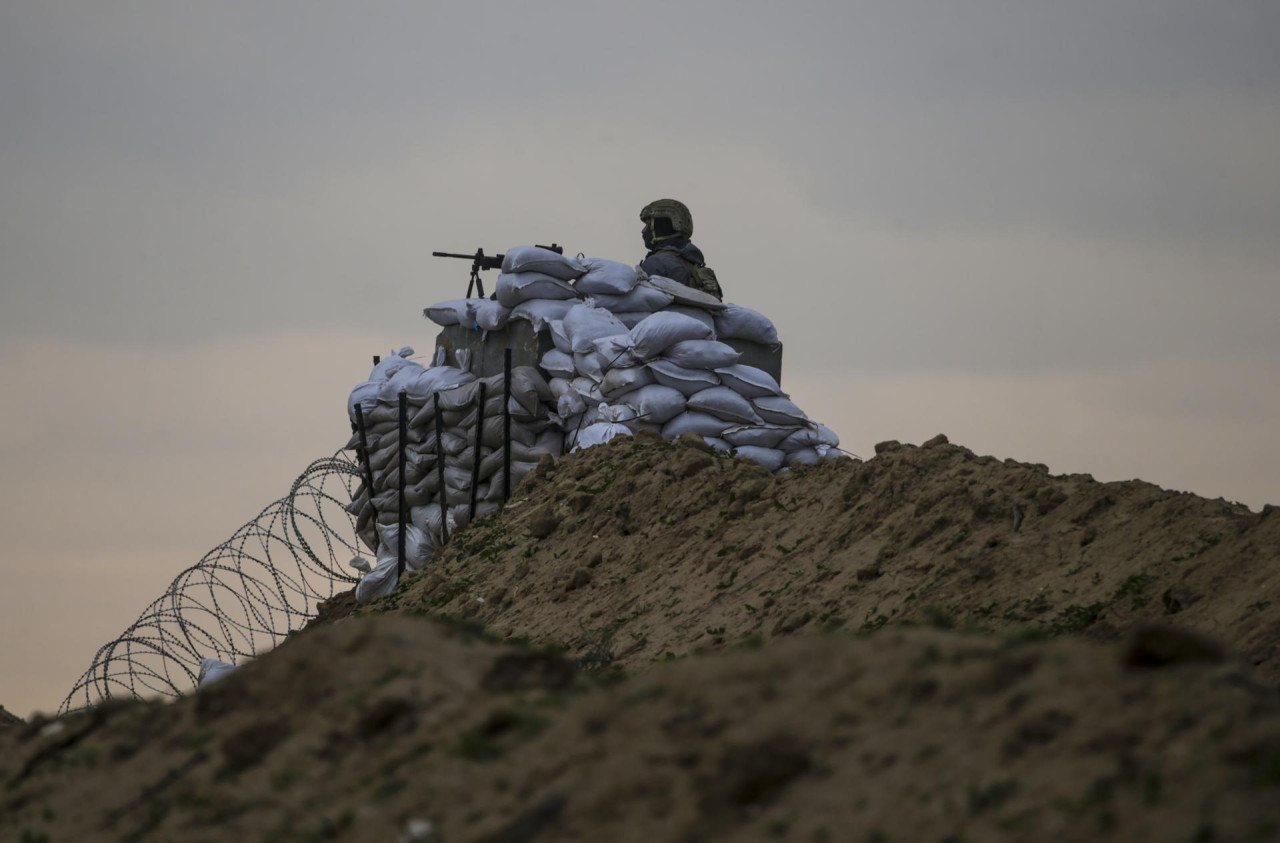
(363, 454)
(506, 424)
(475, 466)
(404, 504)
(444, 503)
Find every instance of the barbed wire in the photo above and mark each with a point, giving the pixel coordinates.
(244, 597)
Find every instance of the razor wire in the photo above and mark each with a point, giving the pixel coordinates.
(242, 598)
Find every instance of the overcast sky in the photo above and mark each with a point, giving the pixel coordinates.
(1046, 229)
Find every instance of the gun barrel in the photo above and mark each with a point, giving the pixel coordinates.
(451, 255)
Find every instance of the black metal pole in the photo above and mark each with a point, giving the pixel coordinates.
(404, 504)
(475, 466)
(376, 359)
(363, 454)
(506, 424)
(444, 504)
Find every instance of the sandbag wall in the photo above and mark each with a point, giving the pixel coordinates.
(633, 351)
(447, 456)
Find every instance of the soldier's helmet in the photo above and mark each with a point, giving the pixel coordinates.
(676, 212)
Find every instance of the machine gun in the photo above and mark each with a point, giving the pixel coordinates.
(480, 261)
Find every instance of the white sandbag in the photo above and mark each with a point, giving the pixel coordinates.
(558, 337)
(599, 433)
(605, 277)
(514, 289)
(681, 293)
(696, 313)
(379, 582)
(584, 324)
(804, 456)
(641, 299)
(557, 364)
(718, 444)
(617, 414)
(743, 323)
(615, 351)
(391, 363)
(692, 421)
(687, 381)
(809, 437)
(654, 402)
(589, 390)
(359, 563)
(590, 365)
(758, 435)
(623, 379)
(771, 458)
(570, 404)
(436, 379)
(701, 354)
(630, 318)
(417, 550)
(655, 335)
(366, 395)
(542, 312)
(533, 259)
(212, 670)
(492, 315)
(749, 381)
(402, 381)
(452, 312)
(723, 403)
(491, 435)
(779, 410)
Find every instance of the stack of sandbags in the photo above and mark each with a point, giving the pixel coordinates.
(471, 451)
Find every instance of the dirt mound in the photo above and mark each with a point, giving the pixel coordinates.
(656, 642)
(395, 728)
(641, 550)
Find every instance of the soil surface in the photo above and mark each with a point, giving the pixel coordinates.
(653, 642)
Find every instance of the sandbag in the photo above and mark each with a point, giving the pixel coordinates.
(696, 313)
(557, 364)
(623, 379)
(641, 299)
(809, 437)
(654, 335)
(630, 318)
(757, 435)
(402, 381)
(533, 259)
(682, 294)
(514, 289)
(391, 363)
(749, 381)
(718, 444)
(366, 395)
(701, 354)
(723, 403)
(692, 421)
(492, 315)
(212, 670)
(584, 324)
(558, 337)
(599, 433)
(687, 381)
(743, 323)
(771, 458)
(379, 582)
(542, 312)
(491, 436)
(452, 312)
(605, 277)
(654, 403)
(417, 551)
(589, 390)
(779, 410)
(590, 365)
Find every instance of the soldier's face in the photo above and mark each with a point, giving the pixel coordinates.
(647, 234)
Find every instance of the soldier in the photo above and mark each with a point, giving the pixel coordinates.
(668, 225)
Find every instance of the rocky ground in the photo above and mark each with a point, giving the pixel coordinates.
(654, 642)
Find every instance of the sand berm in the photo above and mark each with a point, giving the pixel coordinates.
(655, 642)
